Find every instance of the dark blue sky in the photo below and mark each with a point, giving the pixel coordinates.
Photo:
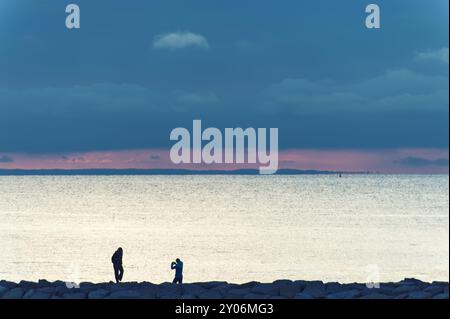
(137, 69)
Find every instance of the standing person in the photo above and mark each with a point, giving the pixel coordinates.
(117, 264)
(178, 266)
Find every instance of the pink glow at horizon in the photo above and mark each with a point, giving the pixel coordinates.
(383, 161)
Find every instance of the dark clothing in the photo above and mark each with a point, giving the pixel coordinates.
(118, 272)
(116, 259)
(178, 266)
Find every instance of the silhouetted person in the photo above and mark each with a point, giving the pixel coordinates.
(117, 264)
(178, 266)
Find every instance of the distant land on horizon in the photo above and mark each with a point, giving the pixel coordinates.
(104, 172)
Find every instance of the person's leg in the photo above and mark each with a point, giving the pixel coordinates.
(180, 280)
(116, 273)
(121, 273)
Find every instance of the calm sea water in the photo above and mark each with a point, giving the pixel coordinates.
(233, 228)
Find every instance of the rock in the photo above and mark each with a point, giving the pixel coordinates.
(210, 294)
(15, 293)
(40, 295)
(27, 284)
(98, 294)
(282, 282)
(277, 297)
(249, 285)
(193, 289)
(211, 284)
(401, 296)
(302, 295)
(28, 294)
(3, 290)
(223, 289)
(187, 296)
(333, 287)
(148, 292)
(315, 289)
(350, 294)
(75, 295)
(289, 291)
(44, 283)
(253, 296)
(8, 284)
(125, 294)
(419, 295)
(405, 289)
(441, 296)
(375, 295)
(48, 290)
(434, 289)
(266, 289)
(237, 293)
(169, 291)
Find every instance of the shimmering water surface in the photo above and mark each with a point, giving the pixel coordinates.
(233, 228)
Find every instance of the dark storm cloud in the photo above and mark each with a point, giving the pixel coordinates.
(310, 68)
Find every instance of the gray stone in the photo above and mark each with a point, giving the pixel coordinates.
(40, 295)
(15, 293)
(315, 289)
(266, 289)
(302, 295)
(289, 291)
(375, 295)
(210, 294)
(253, 296)
(333, 287)
(441, 296)
(75, 295)
(211, 284)
(419, 295)
(125, 294)
(27, 284)
(193, 289)
(405, 289)
(98, 294)
(169, 291)
(434, 289)
(249, 285)
(8, 284)
(237, 293)
(28, 294)
(3, 290)
(350, 294)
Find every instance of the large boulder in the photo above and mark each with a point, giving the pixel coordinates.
(419, 295)
(237, 293)
(193, 289)
(315, 289)
(289, 291)
(124, 294)
(75, 295)
(210, 294)
(98, 294)
(333, 287)
(15, 293)
(350, 294)
(169, 291)
(303, 295)
(266, 289)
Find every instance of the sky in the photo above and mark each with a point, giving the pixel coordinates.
(343, 97)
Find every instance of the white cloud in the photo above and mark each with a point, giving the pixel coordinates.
(440, 55)
(180, 40)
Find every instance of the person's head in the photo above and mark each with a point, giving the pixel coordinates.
(178, 260)
(120, 250)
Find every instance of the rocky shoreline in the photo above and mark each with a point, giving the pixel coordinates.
(280, 289)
